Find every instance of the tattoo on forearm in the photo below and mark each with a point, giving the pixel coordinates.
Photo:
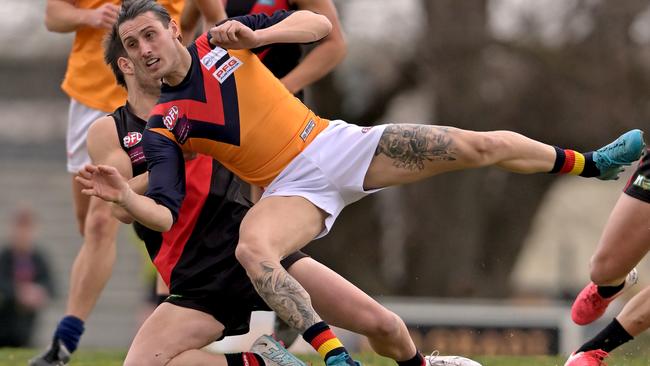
(411, 145)
(286, 297)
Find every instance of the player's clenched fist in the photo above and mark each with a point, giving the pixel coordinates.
(103, 17)
(234, 35)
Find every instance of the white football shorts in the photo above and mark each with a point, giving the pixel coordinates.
(330, 171)
(80, 117)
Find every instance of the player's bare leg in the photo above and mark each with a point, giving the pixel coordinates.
(359, 313)
(623, 244)
(386, 332)
(90, 272)
(170, 331)
(273, 228)
(175, 335)
(408, 153)
(81, 203)
(635, 316)
(94, 263)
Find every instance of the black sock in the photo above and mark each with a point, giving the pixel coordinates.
(251, 359)
(417, 360)
(608, 339)
(590, 169)
(609, 291)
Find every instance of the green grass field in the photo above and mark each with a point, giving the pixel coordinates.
(13, 357)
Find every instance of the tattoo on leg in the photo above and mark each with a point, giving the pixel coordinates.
(411, 145)
(286, 297)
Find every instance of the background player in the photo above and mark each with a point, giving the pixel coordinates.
(207, 13)
(93, 93)
(624, 242)
(88, 81)
(286, 61)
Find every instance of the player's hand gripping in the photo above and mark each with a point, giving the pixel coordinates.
(234, 35)
(105, 182)
(103, 17)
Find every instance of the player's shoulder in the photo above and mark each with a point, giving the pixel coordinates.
(103, 131)
(102, 125)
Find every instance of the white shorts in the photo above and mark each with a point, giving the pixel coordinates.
(80, 117)
(330, 171)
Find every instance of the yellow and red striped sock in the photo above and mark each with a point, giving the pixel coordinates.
(324, 341)
(573, 162)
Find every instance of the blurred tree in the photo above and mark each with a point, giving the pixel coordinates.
(465, 230)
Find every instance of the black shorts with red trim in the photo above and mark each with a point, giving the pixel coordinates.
(233, 303)
(639, 184)
(197, 255)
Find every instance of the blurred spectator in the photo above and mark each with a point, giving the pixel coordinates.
(25, 282)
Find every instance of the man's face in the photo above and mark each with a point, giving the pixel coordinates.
(148, 83)
(150, 45)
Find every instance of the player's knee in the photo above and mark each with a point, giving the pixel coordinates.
(386, 325)
(248, 253)
(255, 255)
(596, 274)
(97, 225)
(81, 222)
(80, 213)
(601, 270)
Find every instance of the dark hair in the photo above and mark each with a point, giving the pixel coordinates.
(132, 8)
(113, 47)
(113, 50)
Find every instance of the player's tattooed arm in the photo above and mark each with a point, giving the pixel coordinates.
(286, 297)
(410, 146)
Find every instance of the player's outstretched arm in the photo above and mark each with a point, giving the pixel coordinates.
(64, 16)
(323, 58)
(107, 183)
(299, 27)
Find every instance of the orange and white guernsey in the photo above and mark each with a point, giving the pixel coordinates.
(87, 78)
(230, 107)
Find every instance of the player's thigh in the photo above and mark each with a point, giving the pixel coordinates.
(81, 204)
(169, 331)
(625, 240)
(279, 225)
(409, 152)
(358, 312)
